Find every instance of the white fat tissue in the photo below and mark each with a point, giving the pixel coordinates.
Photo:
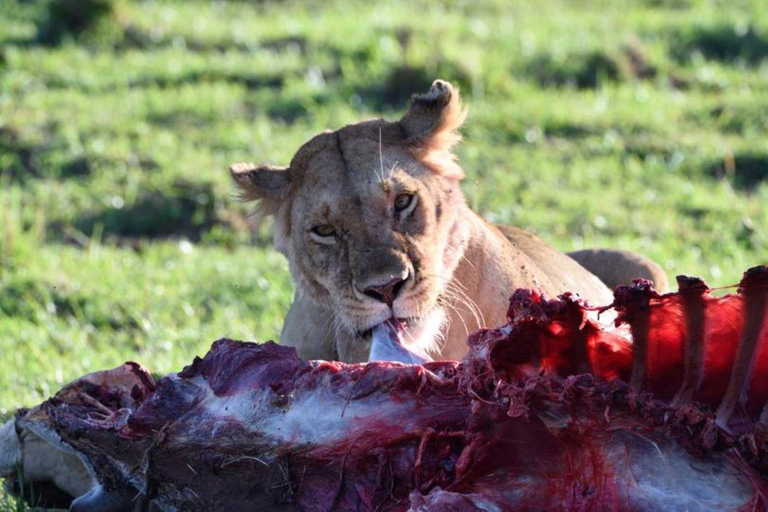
(387, 344)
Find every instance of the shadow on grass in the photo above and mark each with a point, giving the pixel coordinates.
(22, 161)
(724, 43)
(105, 24)
(26, 297)
(37, 496)
(290, 108)
(589, 70)
(249, 80)
(740, 118)
(92, 22)
(185, 210)
(566, 130)
(402, 82)
(18, 159)
(290, 44)
(745, 171)
(645, 147)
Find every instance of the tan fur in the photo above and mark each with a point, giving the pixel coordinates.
(615, 267)
(456, 264)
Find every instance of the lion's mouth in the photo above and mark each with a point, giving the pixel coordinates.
(401, 323)
(389, 342)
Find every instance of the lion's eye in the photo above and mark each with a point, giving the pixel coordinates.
(324, 230)
(403, 201)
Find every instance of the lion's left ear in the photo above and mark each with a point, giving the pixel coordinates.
(432, 123)
(261, 183)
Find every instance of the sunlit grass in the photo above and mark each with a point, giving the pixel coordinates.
(636, 125)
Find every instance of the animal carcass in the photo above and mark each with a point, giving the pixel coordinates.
(549, 411)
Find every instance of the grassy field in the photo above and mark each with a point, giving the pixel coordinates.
(638, 124)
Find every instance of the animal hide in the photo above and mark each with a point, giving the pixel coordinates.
(550, 411)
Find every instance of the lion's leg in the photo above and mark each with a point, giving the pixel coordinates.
(615, 267)
(309, 328)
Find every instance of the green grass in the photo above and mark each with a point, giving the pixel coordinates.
(637, 125)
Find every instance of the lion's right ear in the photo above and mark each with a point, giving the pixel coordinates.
(432, 127)
(434, 118)
(261, 182)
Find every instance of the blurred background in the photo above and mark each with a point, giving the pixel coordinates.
(630, 124)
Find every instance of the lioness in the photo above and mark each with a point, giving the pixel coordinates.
(377, 234)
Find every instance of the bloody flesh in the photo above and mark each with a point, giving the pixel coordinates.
(548, 411)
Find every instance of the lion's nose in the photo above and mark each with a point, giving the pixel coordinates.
(386, 292)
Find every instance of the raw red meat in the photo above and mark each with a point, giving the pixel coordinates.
(547, 411)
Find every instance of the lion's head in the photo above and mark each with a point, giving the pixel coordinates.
(369, 216)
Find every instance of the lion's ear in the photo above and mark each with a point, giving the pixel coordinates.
(433, 120)
(261, 182)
